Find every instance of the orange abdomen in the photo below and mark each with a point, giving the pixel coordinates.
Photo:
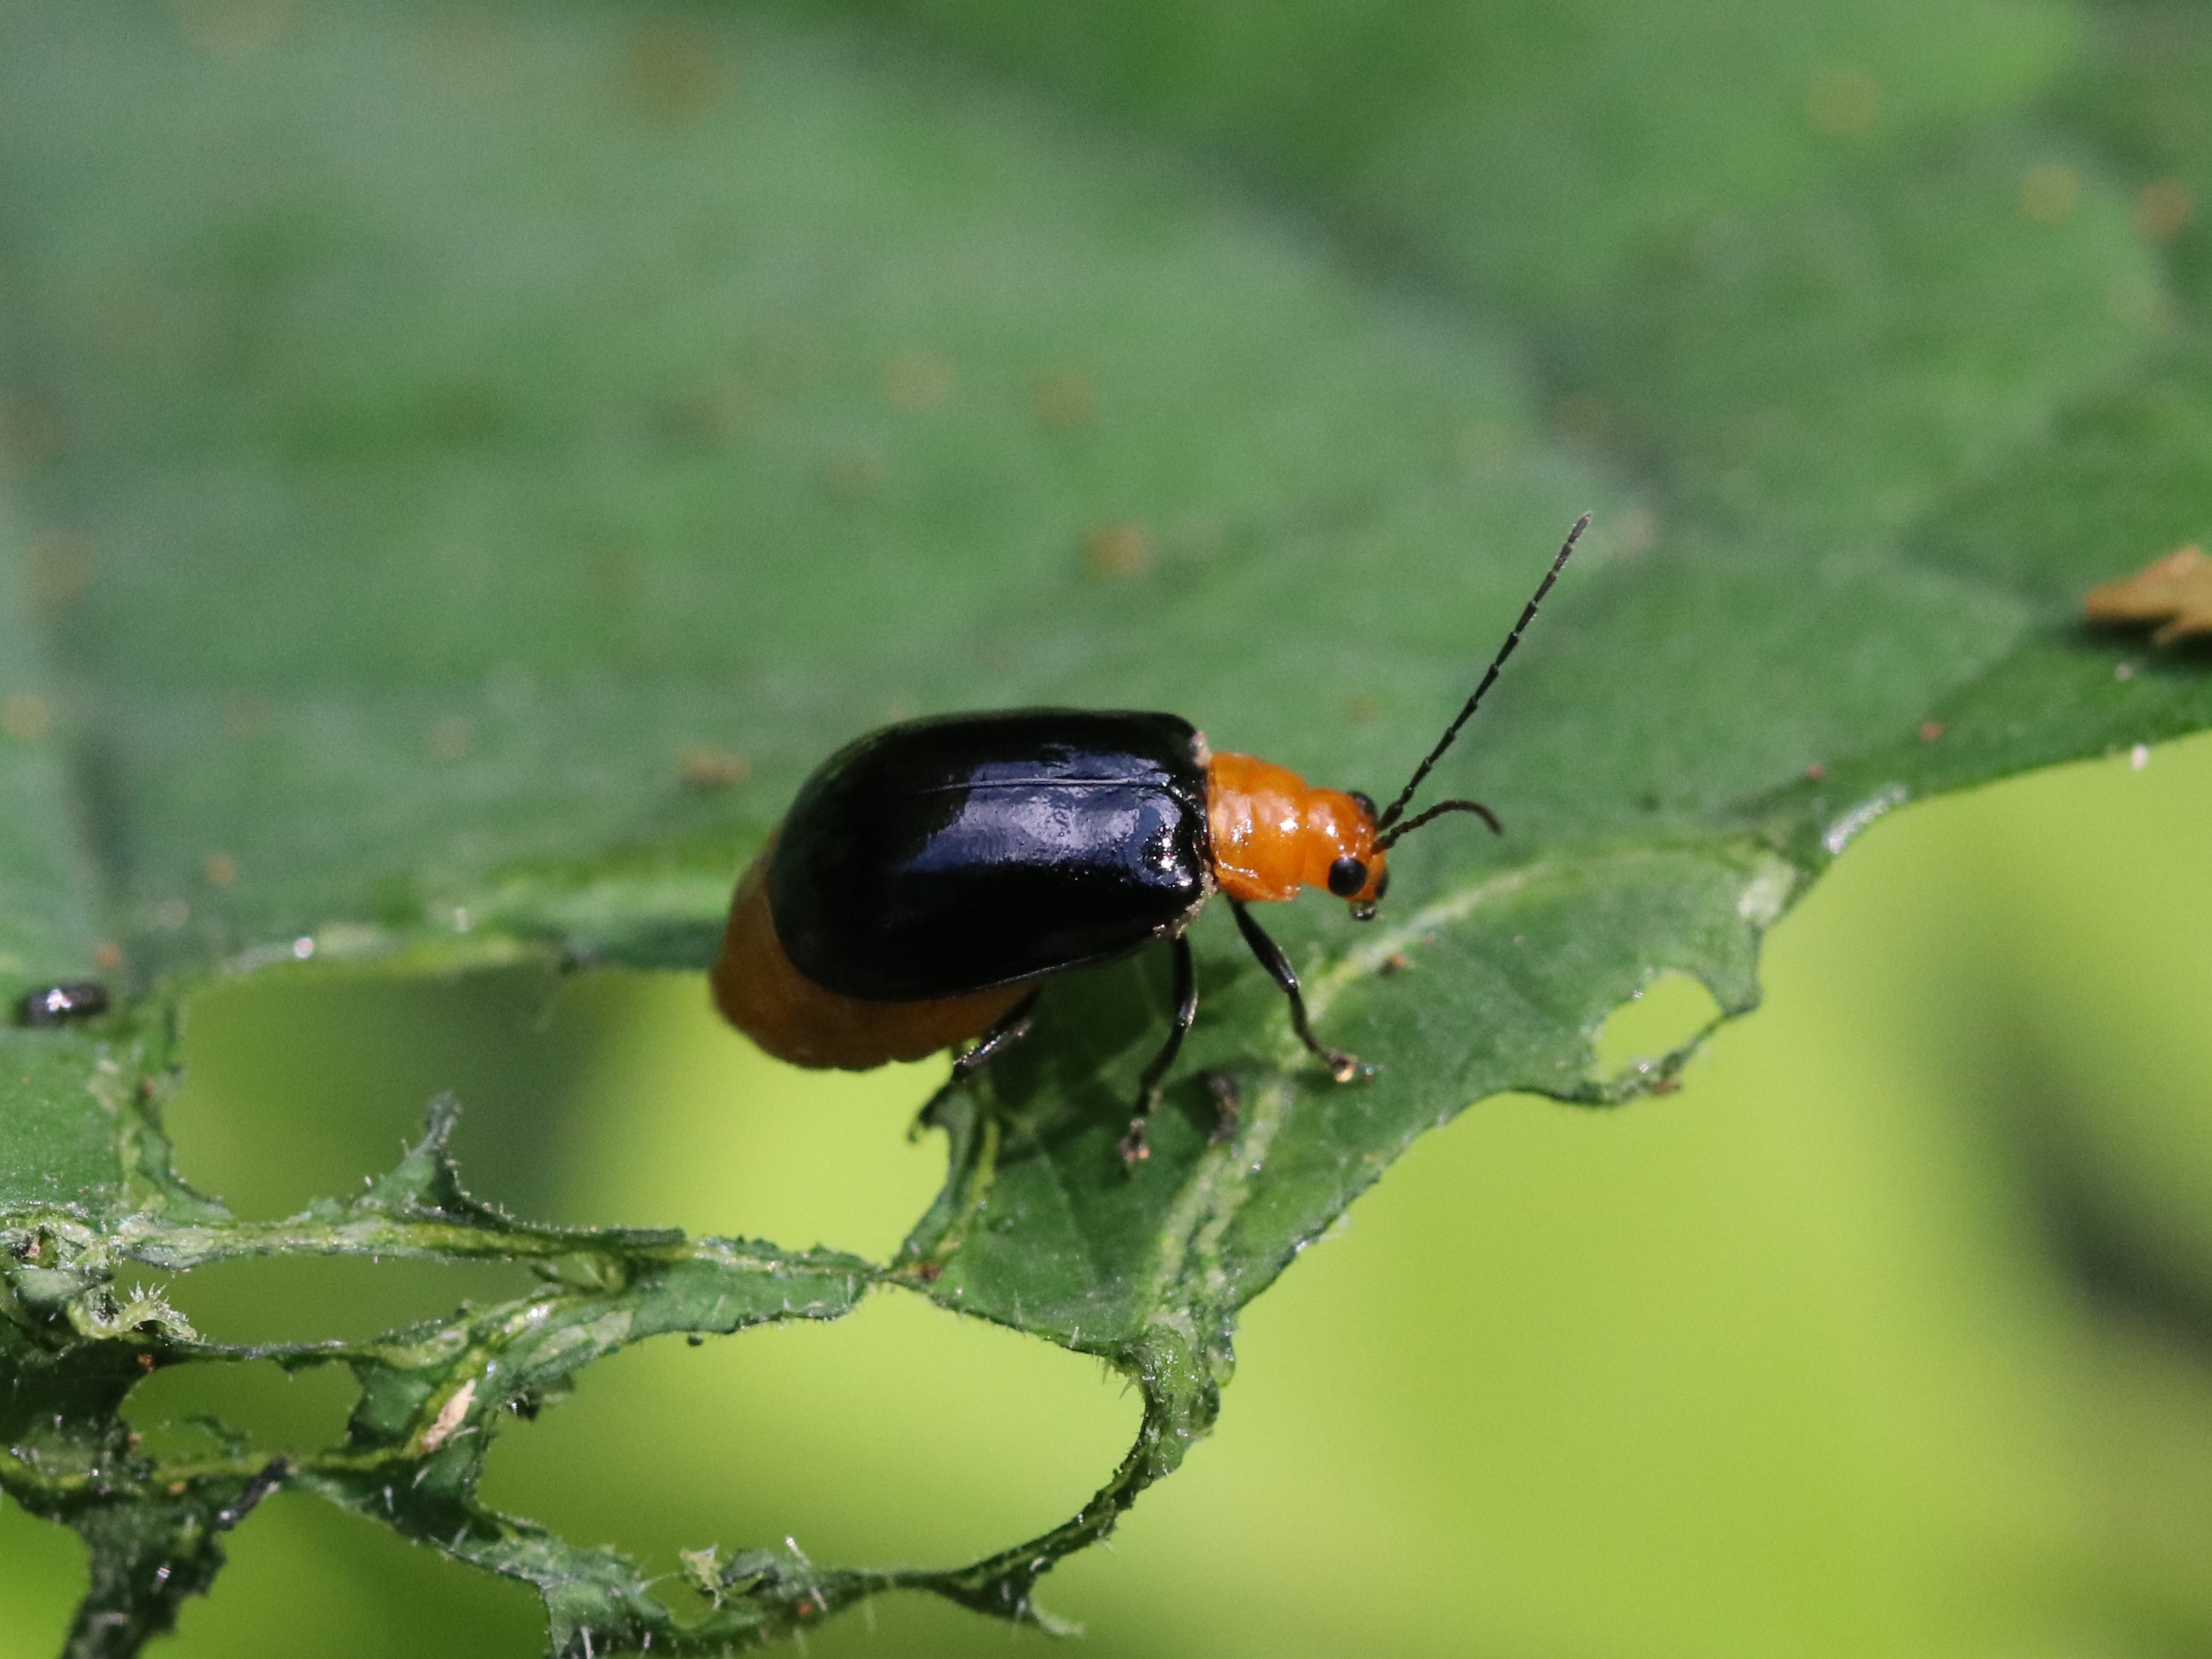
(791, 1016)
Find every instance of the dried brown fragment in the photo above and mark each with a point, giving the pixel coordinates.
(1228, 1105)
(1063, 398)
(672, 75)
(61, 568)
(1117, 550)
(2174, 592)
(25, 718)
(714, 769)
(451, 1416)
(2163, 209)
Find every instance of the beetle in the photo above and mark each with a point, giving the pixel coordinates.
(932, 875)
(62, 1005)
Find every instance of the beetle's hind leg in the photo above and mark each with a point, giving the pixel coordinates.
(1134, 1144)
(993, 1043)
(1342, 1066)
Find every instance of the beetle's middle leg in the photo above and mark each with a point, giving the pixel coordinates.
(1342, 1066)
(995, 1042)
(1134, 1145)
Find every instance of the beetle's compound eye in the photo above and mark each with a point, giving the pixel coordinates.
(1366, 803)
(1382, 887)
(1347, 876)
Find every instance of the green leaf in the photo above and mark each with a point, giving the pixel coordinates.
(57, 1137)
(479, 464)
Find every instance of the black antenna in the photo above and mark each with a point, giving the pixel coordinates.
(1437, 811)
(1385, 836)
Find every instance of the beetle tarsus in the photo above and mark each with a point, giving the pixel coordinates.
(1346, 1068)
(1135, 1144)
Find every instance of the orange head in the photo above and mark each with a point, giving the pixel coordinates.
(1273, 833)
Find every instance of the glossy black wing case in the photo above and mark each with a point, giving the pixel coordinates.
(948, 855)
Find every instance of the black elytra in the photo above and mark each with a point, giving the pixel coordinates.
(946, 856)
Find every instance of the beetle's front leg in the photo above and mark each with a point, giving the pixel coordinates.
(1342, 1066)
(1135, 1146)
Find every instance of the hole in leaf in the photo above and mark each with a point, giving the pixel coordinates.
(901, 1432)
(304, 1578)
(175, 1409)
(678, 1121)
(1670, 1010)
(42, 1574)
(329, 1299)
(302, 1081)
(614, 1097)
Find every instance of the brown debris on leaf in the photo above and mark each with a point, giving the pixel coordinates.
(705, 768)
(2175, 590)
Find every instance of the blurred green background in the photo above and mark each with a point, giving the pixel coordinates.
(1891, 1333)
